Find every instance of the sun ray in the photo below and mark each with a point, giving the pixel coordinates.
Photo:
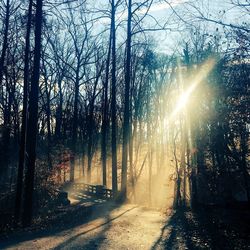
(186, 95)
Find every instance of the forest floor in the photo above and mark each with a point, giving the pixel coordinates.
(110, 226)
(90, 224)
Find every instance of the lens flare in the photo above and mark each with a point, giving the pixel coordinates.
(197, 80)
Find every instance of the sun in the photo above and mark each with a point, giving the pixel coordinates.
(183, 99)
(186, 94)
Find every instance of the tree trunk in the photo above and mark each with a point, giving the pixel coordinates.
(126, 122)
(5, 41)
(105, 118)
(113, 101)
(5, 157)
(183, 163)
(131, 161)
(75, 126)
(58, 127)
(22, 147)
(48, 117)
(243, 164)
(33, 118)
(90, 142)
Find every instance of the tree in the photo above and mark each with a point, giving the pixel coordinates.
(105, 116)
(126, 121)
(6, 132)
(22, 147)
(33, 118)
(5, 39)
(113, 98)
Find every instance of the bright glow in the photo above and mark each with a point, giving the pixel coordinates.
(185, 96)
(183, 99)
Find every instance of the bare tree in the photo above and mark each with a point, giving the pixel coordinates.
(33, 118)
(19, 186)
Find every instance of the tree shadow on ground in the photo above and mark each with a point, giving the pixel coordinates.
(203, 229)
(92, 243)
(70, 218)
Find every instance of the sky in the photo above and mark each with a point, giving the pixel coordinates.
(162, 11)
(214, 9)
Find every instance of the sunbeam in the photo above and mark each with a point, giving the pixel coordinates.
(185, 96)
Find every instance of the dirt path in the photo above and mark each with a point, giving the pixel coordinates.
(111, 227)
(125, 227)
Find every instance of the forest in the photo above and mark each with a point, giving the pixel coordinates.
(124, 124)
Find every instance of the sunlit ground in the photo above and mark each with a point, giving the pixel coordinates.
(110, 227)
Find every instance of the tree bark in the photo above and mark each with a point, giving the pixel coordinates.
(6, 132)
(113, 101)
(58, 128)
(22, 147)
(32, 127)
(5, 40)
(105, 118)
(75, 126)
(126, 122)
